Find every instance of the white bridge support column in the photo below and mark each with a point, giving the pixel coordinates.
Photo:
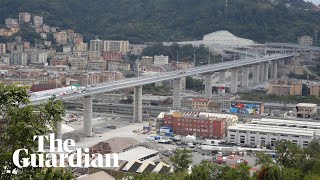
(87, 116)
(222, 77)
(208, 85)
(266, 71)
(245, 76)
(274, 70)
(281, 62)
(177, 86)
(255, 74)
(262, 69)
(234, 81)
(137, 108)
(58, 130)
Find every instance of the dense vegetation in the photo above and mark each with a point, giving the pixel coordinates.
(21, 125)
(291, 163)
(173, 20)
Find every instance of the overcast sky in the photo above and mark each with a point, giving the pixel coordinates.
(314, 1)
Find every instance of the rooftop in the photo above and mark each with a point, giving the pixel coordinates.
(275, 129)
(307, 105)
(136, 154)
(288, 123)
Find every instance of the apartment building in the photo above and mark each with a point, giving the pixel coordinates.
(112, 56)
(79, 63)
(146, 60)
(305, 40)
(97, 65)
(160, 60)
(24, 17)
(3, 48)
(37, 21)
(314, 90)
(285, 87)
(116, 66)
(116, 46)
(96, 45)
(11, 22)
(61, 37)
(81, 46)
(137, 49)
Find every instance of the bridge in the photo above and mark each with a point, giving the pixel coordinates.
(260, 72)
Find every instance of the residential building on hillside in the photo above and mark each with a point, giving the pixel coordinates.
(96, 45)
(137, 49)
(10, 22)
(116, 46)
(112, 56)
(3, 48)
(61, 37)
(97, 65)
(314, 90)
(160, 60)
(24, 17)
(37, 21)
(305, 40)
(285, 87)
(116, 66)
(146, 60)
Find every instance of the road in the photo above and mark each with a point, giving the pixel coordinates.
(128, 83)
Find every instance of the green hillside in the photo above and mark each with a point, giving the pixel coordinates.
(172, 20)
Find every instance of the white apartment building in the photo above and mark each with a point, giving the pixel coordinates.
(305, 40)
(96, 45)
(160, 60)
(10, 22)
(256, 134)
(116, 46)
(24, 17)
(37, 21)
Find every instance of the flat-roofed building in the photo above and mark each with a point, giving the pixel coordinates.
(3, 48)
(140, 154)
(287, 123)
(256, 134)
(305, 110)
(116, 46)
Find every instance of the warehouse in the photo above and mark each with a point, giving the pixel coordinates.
(256, 134)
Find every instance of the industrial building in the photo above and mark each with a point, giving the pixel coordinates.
(140, 154)
(200, 124)
(257, 134)
(305, 110)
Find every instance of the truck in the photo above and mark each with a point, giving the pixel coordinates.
(191, 145)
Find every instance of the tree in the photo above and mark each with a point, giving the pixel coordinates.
(288, 153)
(240, 172)
(181, 160)
(22, 123)
(206, 170)
(263, 158)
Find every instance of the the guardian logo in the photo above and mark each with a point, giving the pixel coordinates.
(50, 159)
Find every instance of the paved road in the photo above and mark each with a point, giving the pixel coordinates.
(127, 83)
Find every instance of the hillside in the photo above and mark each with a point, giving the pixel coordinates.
(173, 20)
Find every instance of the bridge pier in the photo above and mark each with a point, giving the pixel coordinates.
(177, 86)
(58, 134)
(281, 62)
(255, 74)
(234, 81)
(266, 71)
(245, 76)
(262, 73)
(137, 104)
(274, 70)
(208, 85)
(222, 77)
(87, 115)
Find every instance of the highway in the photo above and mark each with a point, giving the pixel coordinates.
(127, 83)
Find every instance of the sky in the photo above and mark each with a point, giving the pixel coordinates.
(314, 1)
